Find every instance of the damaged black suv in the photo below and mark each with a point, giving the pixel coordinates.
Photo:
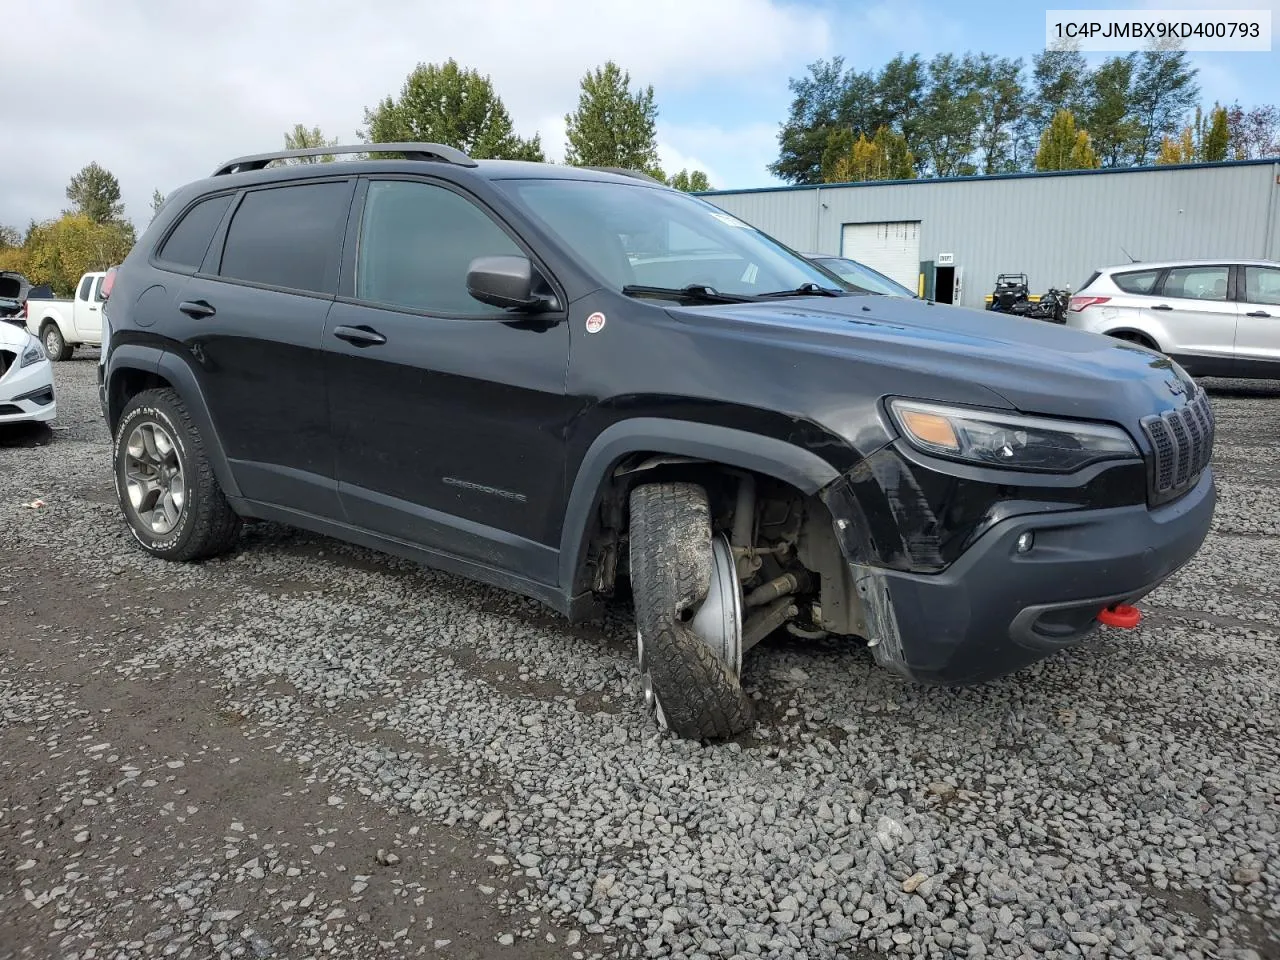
(562, 380)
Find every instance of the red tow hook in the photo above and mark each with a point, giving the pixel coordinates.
(1121, 615)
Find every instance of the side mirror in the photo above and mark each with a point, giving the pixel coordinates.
(507, 282)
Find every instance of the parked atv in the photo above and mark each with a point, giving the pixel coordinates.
(1011, 295)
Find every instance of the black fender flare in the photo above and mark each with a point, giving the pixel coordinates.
(803, 469)
(173, 369)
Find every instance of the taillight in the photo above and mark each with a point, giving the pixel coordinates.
(108, 282)
(1080, 303)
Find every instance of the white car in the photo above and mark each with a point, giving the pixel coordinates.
(1217, 318)
(26, 378)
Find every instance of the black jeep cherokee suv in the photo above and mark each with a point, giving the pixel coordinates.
(560, 380)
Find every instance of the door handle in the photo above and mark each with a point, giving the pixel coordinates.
(197, 309)
(1257, 313)
(359, 336)
(1162, 306)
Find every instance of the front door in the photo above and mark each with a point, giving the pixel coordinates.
(1194, 307)
(1258, 329)
(88, 310)
(448, 415)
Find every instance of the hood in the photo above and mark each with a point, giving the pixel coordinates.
(13, 337)
(1036, 366)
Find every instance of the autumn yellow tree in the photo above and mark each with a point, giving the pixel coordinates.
(885, 156)
(1064, 147)
(60, 251)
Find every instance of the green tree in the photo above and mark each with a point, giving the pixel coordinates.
(60, 251)
(950, 116)
(300, 138)
(828, 99)
(9, 237)
(612, 126)
(900, 88)
(96, 193)
(157, 201)
(690, 181)
(1164, 88)
(997, 81)
(445, 103)
(1064, 147)
(1059, 80)
(1106, 113)
(1217, 137)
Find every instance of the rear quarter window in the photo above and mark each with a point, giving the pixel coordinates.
(1135, 281)
(189, 241)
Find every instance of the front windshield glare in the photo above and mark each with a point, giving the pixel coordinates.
(635, 235)
(864, 278)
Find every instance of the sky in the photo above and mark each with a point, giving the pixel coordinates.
(161, 93)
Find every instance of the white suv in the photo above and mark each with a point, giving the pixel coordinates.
(1218, 318)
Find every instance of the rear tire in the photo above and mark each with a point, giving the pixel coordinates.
(55, 345)
(692, 692)
(156, 444)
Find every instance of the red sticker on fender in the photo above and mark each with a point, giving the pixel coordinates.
(595, 323)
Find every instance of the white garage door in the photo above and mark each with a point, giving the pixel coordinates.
(891, 248)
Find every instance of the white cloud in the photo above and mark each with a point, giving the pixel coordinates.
(161, 94)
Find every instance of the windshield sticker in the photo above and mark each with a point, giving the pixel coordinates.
(731, 221)
(595, 323)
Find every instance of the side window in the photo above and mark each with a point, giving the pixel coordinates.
(1196, 283)
(1134, 281)
(97, 289)
(417, 241)
(190, 239)
(288, 236)
(85, 284)
(1262, 285)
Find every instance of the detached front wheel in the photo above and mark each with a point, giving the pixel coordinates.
(688, 605)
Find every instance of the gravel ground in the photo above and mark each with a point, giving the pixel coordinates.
(306, 749)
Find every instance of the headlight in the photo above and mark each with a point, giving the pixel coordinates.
(1008, 440)
(32, 353)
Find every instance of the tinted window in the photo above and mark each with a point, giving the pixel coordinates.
(1135, 281)
(416, 244)
(288, 236)
(189, 241)
(1092, 277)
(1196, 283)
(85, 284)
(97, 289)
(1262, 285)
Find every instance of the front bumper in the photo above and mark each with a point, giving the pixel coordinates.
(995, 610)
(26, 394)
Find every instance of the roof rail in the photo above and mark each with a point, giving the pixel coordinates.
(412, 151)
(624, 172)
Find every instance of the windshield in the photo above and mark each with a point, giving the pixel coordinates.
(638, 236)
(862, 277)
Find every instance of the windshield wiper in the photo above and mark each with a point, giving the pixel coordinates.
(696, 292)
(804, 290)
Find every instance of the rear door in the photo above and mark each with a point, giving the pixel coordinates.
(250, 324)
(1193, 305)
(1258, 329)
(449, 415)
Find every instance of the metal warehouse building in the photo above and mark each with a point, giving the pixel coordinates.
(950, 238)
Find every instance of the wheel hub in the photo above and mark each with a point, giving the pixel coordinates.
(154, 479)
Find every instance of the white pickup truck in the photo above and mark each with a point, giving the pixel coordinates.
(63, 325)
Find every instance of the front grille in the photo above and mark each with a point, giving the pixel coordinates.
(1181, 447)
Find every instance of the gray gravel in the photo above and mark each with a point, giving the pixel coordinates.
(440, 768)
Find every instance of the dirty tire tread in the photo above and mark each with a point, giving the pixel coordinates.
(214, 527)
(700, 696)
